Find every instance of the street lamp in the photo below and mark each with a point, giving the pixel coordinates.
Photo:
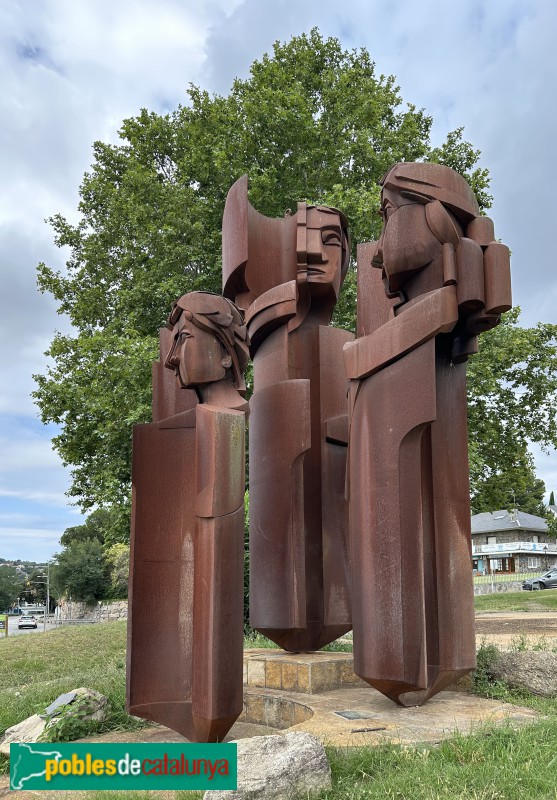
(47, 581)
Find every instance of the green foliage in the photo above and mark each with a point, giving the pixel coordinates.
(552, 499)
(73, 722)
(507, 762)
(117, 559)
(512, 399)
(460, 156)
(81, 572)
(551, 524)
(482, 677)
(102, 532)
(11, 586)
(35, 670)
(35, 586)
(99, 525)
(313, 121)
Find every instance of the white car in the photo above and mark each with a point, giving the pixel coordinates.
(27, 621)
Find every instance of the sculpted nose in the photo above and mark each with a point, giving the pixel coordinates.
(173, 357)
(377, 258)
(315, 249)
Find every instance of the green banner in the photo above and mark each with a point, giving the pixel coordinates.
(75, 766)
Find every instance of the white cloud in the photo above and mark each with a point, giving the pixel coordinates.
(33, 544)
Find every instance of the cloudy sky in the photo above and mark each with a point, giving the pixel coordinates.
(72, 71)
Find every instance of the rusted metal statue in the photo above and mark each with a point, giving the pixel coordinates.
(435, 279)
(185, 629)
(286, 274)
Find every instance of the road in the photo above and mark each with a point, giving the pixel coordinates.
(14, 631)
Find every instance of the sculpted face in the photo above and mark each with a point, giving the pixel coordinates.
(407, 243)
(324, 247)
(196, 355)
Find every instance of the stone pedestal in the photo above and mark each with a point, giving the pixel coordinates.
(308, 673)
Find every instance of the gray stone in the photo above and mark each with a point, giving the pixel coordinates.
(532, 670)
(27, 731)
(31, 729)
(278, 767)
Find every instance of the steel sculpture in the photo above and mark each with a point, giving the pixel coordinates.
(286, 274)
(185, 628)
(433, 282)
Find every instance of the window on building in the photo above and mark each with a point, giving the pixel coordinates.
(492, 539)
(535, 538)
(533, 562)
(505, 564)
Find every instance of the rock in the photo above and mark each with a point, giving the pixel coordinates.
(532, 670)
(27, 731)
(77, 716)
(87, 705)
(278, 767)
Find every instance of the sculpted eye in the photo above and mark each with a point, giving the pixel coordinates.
(331, 238)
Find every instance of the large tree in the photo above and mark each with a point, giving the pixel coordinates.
(312, 121)
(11, 586)
(512, 400)
(81, 572)
(103, 525)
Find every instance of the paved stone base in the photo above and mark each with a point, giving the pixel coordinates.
(362, 716)
(356, 717)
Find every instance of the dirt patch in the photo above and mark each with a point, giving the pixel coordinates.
(505, 628)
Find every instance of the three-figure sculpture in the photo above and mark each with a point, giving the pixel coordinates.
(359, 488)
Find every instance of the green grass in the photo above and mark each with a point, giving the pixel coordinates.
(517, 601)
(494, 763)
(35, 669)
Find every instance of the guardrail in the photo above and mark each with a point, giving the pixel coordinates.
(505, 577)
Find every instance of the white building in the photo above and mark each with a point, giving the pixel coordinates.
(511, 541)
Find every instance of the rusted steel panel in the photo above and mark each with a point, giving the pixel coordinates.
(497, 278)
(386, 522)
(277, 534)
(161, 578)
(217, 679)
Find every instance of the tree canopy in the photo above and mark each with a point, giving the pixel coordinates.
(102, 525)
(11, 586)
(512, 399)
(311, 122)
(81, 571)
